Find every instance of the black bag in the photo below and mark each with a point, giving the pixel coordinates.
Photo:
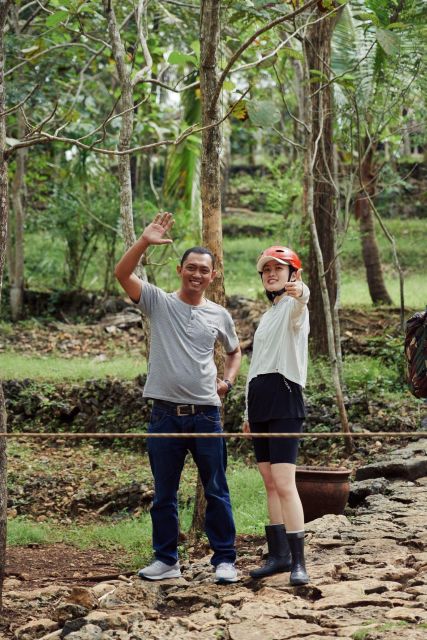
(416, 354)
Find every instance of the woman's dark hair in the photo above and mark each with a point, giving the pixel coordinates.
(201, 251)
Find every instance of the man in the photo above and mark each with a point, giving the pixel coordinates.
(182, 382)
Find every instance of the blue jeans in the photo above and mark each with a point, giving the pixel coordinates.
(167, 457)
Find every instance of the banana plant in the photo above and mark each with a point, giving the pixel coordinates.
(377, 52)
(181, 191)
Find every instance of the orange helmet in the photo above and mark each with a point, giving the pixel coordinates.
(283, 255)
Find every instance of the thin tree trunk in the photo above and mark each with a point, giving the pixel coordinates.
(225, 162)
(298, 88)
(16, 237)
(126, 131)
(370, 250)
(4, 7)
(337, 265)
(318, 52)
(210, 181)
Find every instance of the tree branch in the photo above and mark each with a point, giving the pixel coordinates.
(140, 14)
(45, 137)
(248, 42)
(20, 104)
(49, 50)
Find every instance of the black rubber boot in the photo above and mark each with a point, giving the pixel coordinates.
(298, 573)
(279, 557)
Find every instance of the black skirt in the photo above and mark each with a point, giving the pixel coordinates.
(272, 396)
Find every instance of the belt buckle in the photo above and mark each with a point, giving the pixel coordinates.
(182, 410)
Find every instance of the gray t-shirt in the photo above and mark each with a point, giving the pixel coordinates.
(181, 365)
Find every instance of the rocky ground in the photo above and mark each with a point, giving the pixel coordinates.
(368, 581)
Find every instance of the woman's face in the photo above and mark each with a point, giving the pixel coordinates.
(275, 275)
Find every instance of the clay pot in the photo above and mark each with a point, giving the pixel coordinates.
(322, 490)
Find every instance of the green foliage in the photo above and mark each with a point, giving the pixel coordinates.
(377, 42)
(263, 114)
(181, 58)
(277, 190)
(72, 207)
(130, 537)
(379, 374)
(378, 370)
(180, 191)
(45, 257)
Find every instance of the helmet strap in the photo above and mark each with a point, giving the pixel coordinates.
(274, 294)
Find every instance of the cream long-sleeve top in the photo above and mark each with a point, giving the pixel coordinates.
(281, 341)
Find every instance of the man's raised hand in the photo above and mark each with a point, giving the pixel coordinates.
(155, 231)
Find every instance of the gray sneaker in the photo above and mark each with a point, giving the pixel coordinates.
(159, 570)
(226, 572)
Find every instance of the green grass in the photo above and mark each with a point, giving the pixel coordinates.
(132, 536)
(409, 235)
(354, 288)
(355, 292)
(51, 368)
(247, 497)
(241, 278)
(21, 532)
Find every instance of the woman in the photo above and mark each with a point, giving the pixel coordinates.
(274, 404)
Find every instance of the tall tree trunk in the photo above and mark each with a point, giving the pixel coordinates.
(126, 126)
(363, 211)
(318, 51)
(210, 180)
(4, 7)
(319, 194)
(210, 174)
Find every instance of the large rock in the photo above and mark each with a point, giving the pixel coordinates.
(360, 490)
(265, 628)
(408, 469)
(35, 629)
(69, 611)
(87, 632)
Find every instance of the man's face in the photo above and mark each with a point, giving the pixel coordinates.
(275, 275)
(196, 273)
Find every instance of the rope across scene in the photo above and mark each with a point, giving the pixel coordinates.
(313, 434)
